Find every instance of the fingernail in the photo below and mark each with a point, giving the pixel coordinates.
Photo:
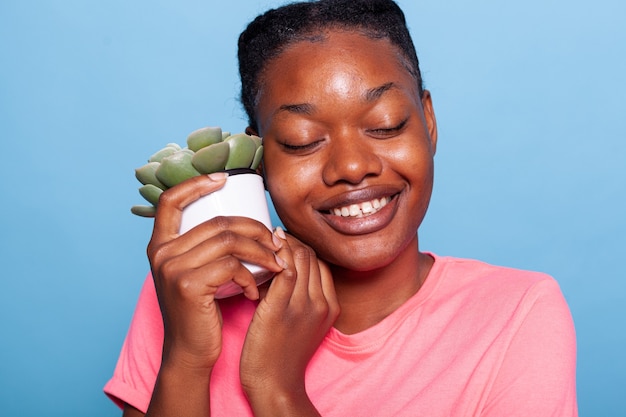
(218, 176)
(280, 261)
(276, 241)
(280, 232)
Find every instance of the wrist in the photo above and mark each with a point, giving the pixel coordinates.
(191, 363)
(201, 354)
(275, 402)
(175, 382)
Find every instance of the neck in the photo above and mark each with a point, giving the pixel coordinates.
(367, 297)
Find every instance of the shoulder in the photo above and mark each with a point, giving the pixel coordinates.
(494, 288)
(461, 272)
(489, 302)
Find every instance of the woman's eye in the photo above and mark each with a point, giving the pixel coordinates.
(388, 131)
(299, 148)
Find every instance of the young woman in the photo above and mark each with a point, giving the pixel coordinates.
(357, 321)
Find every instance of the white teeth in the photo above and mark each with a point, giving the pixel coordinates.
(367, 207)
(362, 209)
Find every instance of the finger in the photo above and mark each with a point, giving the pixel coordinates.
(315, 279)
(244, 226)
(282, 286)
(230, 243)
(328, 288)
(206, 279)
(317, 289)
(174, 200)
(304, 268)
(209, 235)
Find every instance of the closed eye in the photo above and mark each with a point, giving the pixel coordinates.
(299, 148)
(388, 131)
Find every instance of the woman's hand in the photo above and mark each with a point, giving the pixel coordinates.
(187, 271)
(288, 326)
(189, 268)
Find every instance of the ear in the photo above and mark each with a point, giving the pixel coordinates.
(429, 116)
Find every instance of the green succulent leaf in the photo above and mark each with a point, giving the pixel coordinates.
(174, 145)
(176, 168)
(163, 153)
(208, 150)
(151, 193)
(204, 137)
(257, 140)
(242, 149)
(212, 158)
(146, 174)
(143, 211)
(258, 155)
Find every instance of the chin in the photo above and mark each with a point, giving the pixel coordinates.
(361, 259)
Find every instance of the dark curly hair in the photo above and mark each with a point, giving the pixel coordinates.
(270, 33)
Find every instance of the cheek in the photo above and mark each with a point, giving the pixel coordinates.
(417, 160)
(288, 185)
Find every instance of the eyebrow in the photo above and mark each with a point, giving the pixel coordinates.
(376, 92)
(370, 95)
(303, 108)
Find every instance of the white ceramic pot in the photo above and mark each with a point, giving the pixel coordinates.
(242, 195)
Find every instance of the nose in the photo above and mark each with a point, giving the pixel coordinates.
(351, 158)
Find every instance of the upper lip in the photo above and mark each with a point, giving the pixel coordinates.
(358, 196)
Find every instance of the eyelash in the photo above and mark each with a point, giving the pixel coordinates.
(382, 132)
(299, 148)
(390, 130)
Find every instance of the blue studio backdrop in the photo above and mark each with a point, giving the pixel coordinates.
(530, 167)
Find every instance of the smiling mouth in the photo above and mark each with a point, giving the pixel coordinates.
(366, 208)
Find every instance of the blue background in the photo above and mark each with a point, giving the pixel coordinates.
(531, 166)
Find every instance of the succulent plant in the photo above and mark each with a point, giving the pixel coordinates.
(208, 150)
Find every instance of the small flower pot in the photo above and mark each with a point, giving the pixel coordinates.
(242, 195)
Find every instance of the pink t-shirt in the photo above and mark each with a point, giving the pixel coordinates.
(476, 340)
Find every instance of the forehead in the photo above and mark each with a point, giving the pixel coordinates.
(343, 43)
(333, 59)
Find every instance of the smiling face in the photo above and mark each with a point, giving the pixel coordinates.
(349, 148)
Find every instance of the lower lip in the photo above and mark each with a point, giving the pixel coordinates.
(366, 224)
